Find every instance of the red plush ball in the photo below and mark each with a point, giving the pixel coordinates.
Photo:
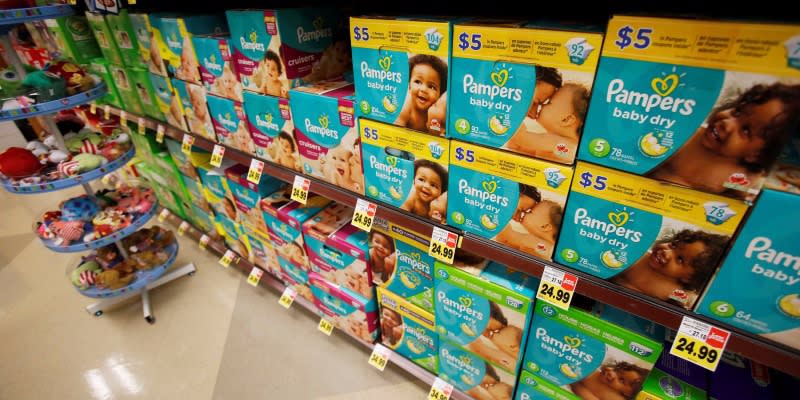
(17, 162)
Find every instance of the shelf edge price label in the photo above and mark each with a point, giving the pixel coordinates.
(700, 343)
(255, 276)
(254, 173)
(379, 357)
(186, 145)
(163, 215)
(443, 245)
(227, 258)
(364, 215)
(106, 111)
(182, 228)
(300, 189)
(325, 326)
(141, 126)
(217, 155)
(440, 390)
(123, 117)
(160, 133)
(557, 287)
(203, 242)
(287, 298)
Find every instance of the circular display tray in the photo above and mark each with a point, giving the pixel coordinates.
(140, 281)
(19, 15)
(71, 181)
(76, 247)
(53, 106)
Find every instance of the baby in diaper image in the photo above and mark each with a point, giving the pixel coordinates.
(472, 375)
(392, 328)
(268, 76)
(201, 120)
(284, 151)
(382, 255)
(425, 106)
(615, 380)
(491, 387)
(677, 267)
(540, 220)
(430, 185)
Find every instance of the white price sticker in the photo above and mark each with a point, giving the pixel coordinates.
(255, 276)
(254, 173)
(182, 228)
(379, 357)
(217, 155)
(300, 189)
(287, 298)
(203, 242)
(163, 215)
(557, 287)
(160, 133)
(440, 390)
(123, 118)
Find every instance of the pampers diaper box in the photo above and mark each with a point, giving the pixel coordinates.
(345, 309)
(400, 263)
(217, 69)
(524, 89)
(408, 330)
(337, 251)
(125, 37)
(217, 192)
(659, 239)
(276, 50)
(325, 130)
(193, 101)
(514, 200)
(767, 258)
(269, 121)
(683, 101)
(586, 357)
(487, 313)
(473, 375)
(140, 78)
(295, 277)
(247, 195)
(169, 104)
(230, 123)
(262, 253)
(175, 42)
(284, 219)
(235, 238)
(405, 169)
(401, 70)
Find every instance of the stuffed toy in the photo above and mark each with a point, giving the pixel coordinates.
(113, 279)
(67, 231)
(84, 141)
(81, 208)
(17, 162)
(10, 84)
(85, 275)
(77, 80)
(81, 163)
(45, 86)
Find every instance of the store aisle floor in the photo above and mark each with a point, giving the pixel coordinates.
(214, 336)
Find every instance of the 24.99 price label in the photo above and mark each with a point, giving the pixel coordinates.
(700, 343)
(443, 245)
(557, 287)
(300, 189)
(364, 215)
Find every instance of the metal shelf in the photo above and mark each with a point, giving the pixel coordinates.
(751, 346)
(19, 15)
(53, 106)
(270, 281)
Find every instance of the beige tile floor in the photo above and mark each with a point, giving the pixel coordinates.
(215, 336)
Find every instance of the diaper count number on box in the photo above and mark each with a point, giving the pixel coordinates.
(557, 287)
(700, 343)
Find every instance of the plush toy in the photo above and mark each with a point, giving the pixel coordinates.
(45, 86)
(107, 256)
(17, 162)
(107, 222)
(85, 275)
(136, 201)
(84, 141)
(67, 231)
(113, 279)
(81, 208)
(57, 156)
(81, 163)
(10, 84)
(77, 80)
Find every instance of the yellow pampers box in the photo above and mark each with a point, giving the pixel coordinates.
(408, 330)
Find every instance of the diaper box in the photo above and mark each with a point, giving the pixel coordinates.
(473, 375)
(401, 71)
(629, 321)
(764, 258)
(125, 37)
(276, 50)
(337, 251)
(659, 239)
(145, 36)
(325, 131)
(694, 102)
(175, 42)
(408, 330)
(346, 310)
(269, 121)
(192, 98)
(99, 66)
(488, 313)
(105, 39)
(262, 253)
(511, 199)
(203, 220)
(585, 356)
(217, 192)
(663, 386)
(399, 261)
(169, 104)
(196, 193)
(126, 89)
(295, 277)
(186, 163)
(532, 387)
(74, 38)
(284, 219)
(230, 123)
(405, 169)
(740, 378)
(235, 239)
(140, 78)
(217, 69)
(247, 195)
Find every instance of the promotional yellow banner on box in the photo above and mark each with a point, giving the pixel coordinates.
(656, 238)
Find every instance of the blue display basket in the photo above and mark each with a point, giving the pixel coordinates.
(50, 107)
(19, 15)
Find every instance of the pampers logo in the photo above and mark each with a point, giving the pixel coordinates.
(252, 44)
(172, 41)
(761, 248)
(614, 226)
(436, 150)
(434, 38)
(497, 88)
(382, 74)
(227, 122)
(212, 64)
(463, 362)
(421, 335)
(660, 99)
(485, 193)
(415, 262)
(463, 305)
(390, 167)
(333, 257)
(570, 345)
(319, 32)
(266, 122)
(322, 128)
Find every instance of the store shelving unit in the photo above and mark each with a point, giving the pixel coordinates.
(270, 281)
(748, 345)
(144, 279)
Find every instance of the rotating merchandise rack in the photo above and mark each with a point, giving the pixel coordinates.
(144, 280)
(751, 346)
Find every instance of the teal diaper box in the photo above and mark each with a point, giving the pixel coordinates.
(473, 375)
(408, 330)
